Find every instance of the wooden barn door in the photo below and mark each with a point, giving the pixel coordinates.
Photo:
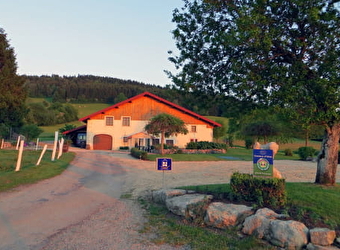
(102, 142)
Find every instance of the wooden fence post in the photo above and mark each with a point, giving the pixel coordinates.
(55, 145)
(21, 149)
(42, 154)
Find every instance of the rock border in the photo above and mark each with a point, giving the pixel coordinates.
(264, 223)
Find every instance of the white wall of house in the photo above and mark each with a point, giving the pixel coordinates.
(118, 132)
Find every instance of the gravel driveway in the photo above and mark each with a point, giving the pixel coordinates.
(82, 209)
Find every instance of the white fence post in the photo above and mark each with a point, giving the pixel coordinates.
(55, 145)
(42, 154)
(18, 142)
(21, 149)
(61, 144)
(37, 145)
(2, 143)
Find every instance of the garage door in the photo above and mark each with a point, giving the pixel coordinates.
(102, 142)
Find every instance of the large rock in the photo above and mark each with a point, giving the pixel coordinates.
(258, 224)
(322, 236)
(288, 234)
(221, 215)
(310, 246)
(188, 205)
(160, 196)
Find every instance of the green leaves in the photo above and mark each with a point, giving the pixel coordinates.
(165, 123)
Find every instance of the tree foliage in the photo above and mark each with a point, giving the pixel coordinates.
(274, 52)
(165, 125)
(46, 114)
(30, 131)
(12, 90)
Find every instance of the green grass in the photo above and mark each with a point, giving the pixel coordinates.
(233, 154)
(29, 172)
(314, 205)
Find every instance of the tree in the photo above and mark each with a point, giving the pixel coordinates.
(166, 125)
(275, 52)
(12, 90)
(219, 132)
(30, 131)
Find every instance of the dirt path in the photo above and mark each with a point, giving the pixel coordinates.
(82, 209)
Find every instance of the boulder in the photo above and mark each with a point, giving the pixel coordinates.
(188, 205)
(221, 215)
(322, 236)
(310, 246)
(160, 196)
(288, 234)
(257, 225)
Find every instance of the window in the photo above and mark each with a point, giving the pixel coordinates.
(193, 129)
(126, 121)
(169, 142)
(109, 120)
(125, 139)
(193, 140)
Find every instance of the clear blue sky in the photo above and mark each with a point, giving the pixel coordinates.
(115, 38)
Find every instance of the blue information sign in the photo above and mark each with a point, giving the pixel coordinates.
(263, 162)
(164, 163)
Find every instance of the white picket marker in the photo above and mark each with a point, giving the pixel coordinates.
(18, 142)
(37, 145)
(42, 154)
(54, 145)
(61, 144)
(2, 143)
(21, 149)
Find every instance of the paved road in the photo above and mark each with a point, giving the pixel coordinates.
(31, 214)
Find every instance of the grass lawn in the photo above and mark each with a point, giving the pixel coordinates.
(29, 172)
(233, 154)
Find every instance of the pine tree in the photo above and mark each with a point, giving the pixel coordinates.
(12, 90)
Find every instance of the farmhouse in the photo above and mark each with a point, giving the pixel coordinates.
(122, 124)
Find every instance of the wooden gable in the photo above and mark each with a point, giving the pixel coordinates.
(145, 106)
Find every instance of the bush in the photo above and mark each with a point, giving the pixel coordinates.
(268, 192)
(248, 143)
(206, 145)
(124, 148)
(288, 152)
(135, 152)
(306, 152)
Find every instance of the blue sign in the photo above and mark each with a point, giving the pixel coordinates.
(263, 161)
(164, 163)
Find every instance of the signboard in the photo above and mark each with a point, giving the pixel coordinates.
(263, 161)
(164, 163)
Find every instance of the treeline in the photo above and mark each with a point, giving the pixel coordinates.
(89, 89)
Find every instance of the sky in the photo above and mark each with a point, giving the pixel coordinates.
(128, 40)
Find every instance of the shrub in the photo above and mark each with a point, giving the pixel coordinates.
(124, 148)
(248, 143)
(269, 192)
(135, 152)
(288, 152)
(206, 145)
(306, 152)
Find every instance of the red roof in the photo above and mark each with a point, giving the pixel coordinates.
(148, 94)
(73, 130)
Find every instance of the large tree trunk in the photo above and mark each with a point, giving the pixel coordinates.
(328, 156)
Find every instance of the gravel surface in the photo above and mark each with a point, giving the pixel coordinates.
(82, 208)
